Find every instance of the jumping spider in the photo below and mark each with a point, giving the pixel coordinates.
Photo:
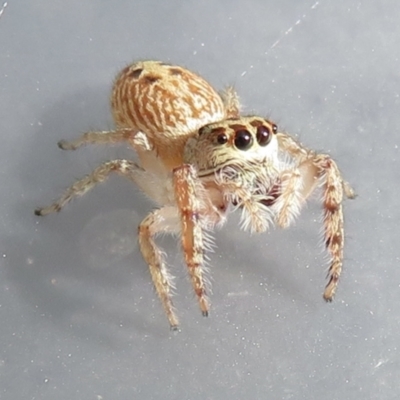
(199, 160)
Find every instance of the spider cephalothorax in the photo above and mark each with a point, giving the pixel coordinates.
(232, 142)
(199, 159)
(239, 159)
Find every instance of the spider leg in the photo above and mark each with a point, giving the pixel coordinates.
(333, 220)
(156, 222)
(301, 154)
(97, 137)
(138, 140)
(189, 206)
(162, 220)
(322, 169)
(100, 174)
(231, 102)
(315, 169)
(293, 147)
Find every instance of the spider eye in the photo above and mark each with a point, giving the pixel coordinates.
(274, 128)
(202, 130)
(263, 135)
(243, 139)
(222, 138)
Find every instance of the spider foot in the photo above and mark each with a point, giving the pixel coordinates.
(330, 288)
(47, 210)
(174, 328)
(38, 211)
(64, 145)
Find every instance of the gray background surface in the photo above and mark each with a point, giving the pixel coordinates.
(79, 317)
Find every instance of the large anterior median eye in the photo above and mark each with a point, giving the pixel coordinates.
(243, 139)
(263, 135)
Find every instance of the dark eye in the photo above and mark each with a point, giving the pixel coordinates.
(274, 128)
(222, 138)
(243, 139)
(263, 135)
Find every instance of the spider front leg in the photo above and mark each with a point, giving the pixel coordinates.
(333, 219)
(321, 169)
(301, 155)
(187, 194)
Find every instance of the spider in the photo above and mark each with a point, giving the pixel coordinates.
(199, 160)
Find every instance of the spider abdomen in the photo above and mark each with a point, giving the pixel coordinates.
(163, 101)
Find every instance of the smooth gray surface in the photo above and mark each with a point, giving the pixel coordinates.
(79, 316)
